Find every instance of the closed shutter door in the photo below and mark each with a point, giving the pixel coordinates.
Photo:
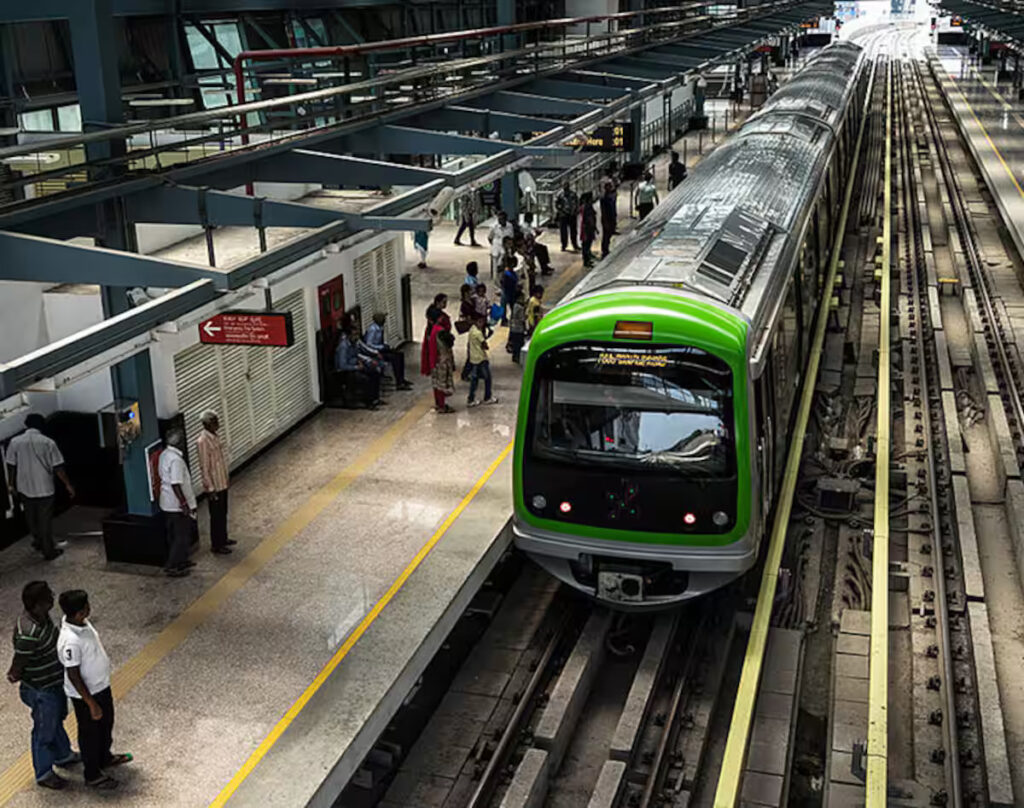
(293, 381)
(238, 432)
(198, 376)
(258, 392)
(387, 284)
(377, 288)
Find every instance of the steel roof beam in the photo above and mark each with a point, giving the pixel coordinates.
(183, 204)
(90, 342)
(307, 165)
(31, 258)
(608, 78)
(40, 10)
(633, 67)
(528, 104)
(468, 119)
(410, 140)
(577, 90)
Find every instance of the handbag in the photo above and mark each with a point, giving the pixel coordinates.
(462, 326)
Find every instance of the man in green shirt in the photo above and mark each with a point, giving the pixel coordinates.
(41, 675)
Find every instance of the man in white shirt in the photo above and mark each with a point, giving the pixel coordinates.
(32, 462)
(500, 230)
(178, 503)
(87, 684)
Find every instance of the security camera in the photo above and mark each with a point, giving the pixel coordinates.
(440, 202)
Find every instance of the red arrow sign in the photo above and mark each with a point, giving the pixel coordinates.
(270, 328)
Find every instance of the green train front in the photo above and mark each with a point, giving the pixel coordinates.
(632, 463)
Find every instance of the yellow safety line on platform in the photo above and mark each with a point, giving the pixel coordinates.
(984, 131)
(19, 775)
(730, 776)
(353, 638)
(878, 682)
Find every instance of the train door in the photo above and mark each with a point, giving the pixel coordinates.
(764, 406)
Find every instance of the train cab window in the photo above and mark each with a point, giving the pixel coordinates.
(654, 409)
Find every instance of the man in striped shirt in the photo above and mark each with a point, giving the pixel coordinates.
(41, 676)
(213, 465)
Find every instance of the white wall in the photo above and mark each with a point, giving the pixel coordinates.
(69, 309)
(22, 325)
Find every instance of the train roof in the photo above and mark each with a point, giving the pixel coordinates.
(714, 233)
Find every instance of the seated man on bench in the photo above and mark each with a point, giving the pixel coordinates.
(357, 370)
(382, 352)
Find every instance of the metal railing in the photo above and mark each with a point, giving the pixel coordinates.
(103, 157)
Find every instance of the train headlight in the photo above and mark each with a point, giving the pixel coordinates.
(720, 518)
(539, 502)
(689, 518)
(565, 507)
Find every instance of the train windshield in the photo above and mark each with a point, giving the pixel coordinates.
(662, 409)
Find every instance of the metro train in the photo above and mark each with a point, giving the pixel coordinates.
(657, 397)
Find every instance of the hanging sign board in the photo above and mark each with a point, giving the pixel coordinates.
(615, 137)
(269, 328)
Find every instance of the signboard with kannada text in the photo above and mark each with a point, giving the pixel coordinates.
(614, 137)
(268, 328)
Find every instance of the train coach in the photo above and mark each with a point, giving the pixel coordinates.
(657, 398)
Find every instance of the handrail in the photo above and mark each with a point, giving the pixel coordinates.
(438, 39)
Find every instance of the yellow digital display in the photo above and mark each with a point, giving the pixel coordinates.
(631, 329)
(631, 360)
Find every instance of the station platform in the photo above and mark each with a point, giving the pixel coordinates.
(360, 533)
(992, 121)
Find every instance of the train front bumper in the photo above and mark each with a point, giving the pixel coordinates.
(621, 584)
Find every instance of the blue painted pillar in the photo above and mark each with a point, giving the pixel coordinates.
(510, 195)
(94, 50)
(94, 47)
(507, 16)
(636, 115)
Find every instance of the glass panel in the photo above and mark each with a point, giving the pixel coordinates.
(657, 409)
(40, 120)
(70, 118)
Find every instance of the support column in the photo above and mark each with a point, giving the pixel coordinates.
(636, 115)
(507, 16)
(510, 195)
(94, 45)
(97, 80)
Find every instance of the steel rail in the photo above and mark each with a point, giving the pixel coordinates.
(485, 788)
(731, 773)
(912, 214)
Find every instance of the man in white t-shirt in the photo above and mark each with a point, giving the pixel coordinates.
(500, 230)
(87, 684)
(178, 503)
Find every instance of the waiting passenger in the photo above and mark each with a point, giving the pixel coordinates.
(41, 676)
(33, 460)
(566, 208)
(178, 503)
(588, 228)
(480, 302)
(517, 326)
(347, 359)
(509, 285)
(534, 309)
(374, 340)
(500, 230)
(479, 363)
(87, 684)
(420, 242)
(472, 274)
(213, 465)
(676, 171)
(428, 352)
(442, 377)
(646, 196)
(609, 218)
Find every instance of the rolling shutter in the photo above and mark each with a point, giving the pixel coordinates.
(258, 392)
(377, 288)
